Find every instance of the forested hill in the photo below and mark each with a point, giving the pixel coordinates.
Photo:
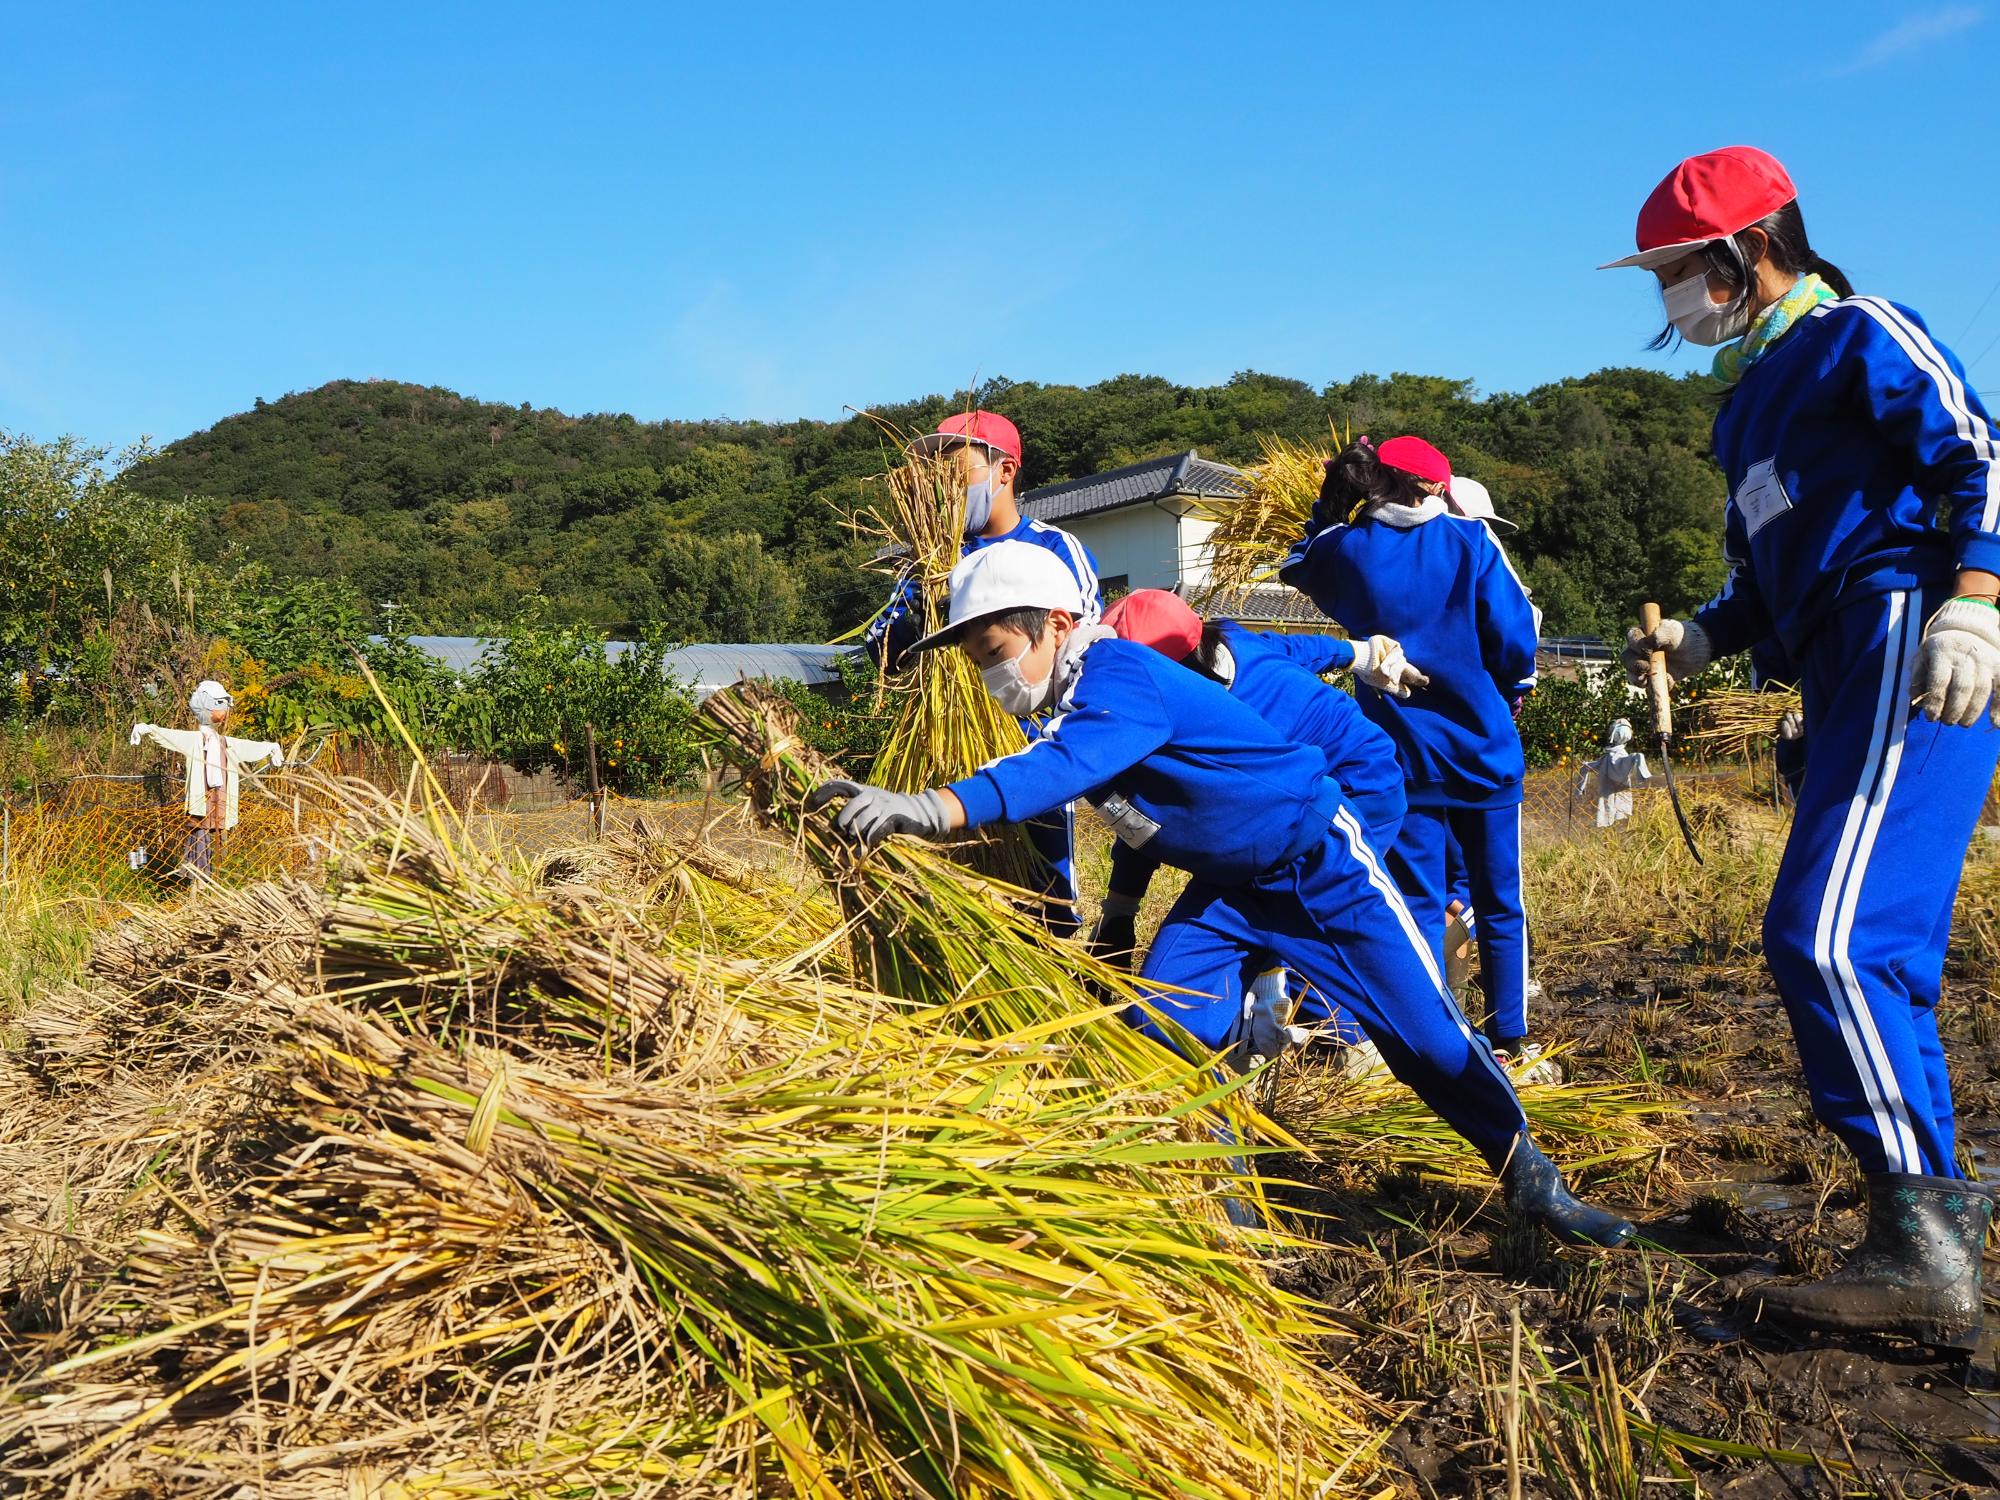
(461, 510)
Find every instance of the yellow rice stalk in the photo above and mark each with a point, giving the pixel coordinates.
(896, 1262)
(946, 723)
(1734, 722)
(1377, 1122)
(1253, 532)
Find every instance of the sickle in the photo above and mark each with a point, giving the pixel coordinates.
(1659, 691)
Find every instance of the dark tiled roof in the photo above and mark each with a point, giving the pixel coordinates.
(1155, 479)
(1262, 604)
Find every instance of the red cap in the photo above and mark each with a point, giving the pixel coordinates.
(1156, 618)
(1415, 456)
(1708, 197)
(987, 428)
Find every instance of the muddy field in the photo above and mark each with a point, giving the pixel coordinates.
(1502, 1364)
(1751, 1187)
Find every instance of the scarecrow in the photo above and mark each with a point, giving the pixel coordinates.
(213, 759)
(1615, 772)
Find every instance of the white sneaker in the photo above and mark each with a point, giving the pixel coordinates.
(1529, 1065)
(1361, 1060)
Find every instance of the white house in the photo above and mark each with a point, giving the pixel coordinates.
(1144, 525)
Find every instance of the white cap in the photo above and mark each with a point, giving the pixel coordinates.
(1470, 498)
(1004, 576)
(210, 695)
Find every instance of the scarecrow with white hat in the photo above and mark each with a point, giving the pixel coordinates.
(1615, 773)
(213, 759)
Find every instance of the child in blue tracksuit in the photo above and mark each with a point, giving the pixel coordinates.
(987, 448)
(1863, 535)
(1279, 677)
(1280, 861)
(1385, 554)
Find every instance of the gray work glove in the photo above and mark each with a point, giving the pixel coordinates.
(1958, 665)
(1686, 644)
(1379, 662)
(873, 813)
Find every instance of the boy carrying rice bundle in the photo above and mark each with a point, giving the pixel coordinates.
(1283, 869)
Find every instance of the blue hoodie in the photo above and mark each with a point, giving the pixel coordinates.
(1443, 587)
(1841, 443)
(1178, 766)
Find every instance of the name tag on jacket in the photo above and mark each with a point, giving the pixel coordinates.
(1761, 496)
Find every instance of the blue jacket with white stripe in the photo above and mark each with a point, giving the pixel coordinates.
(1224, 795)
(1845, 445)
(1443, 587)
(1279, 677)
(894, 629)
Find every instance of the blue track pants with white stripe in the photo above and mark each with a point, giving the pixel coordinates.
(1856, 930)
(1334, 917)
(1489, 839)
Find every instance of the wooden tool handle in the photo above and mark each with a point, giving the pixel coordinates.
(1658, 688)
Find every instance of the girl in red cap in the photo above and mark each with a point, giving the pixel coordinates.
(1862, 533)
(1385, 554)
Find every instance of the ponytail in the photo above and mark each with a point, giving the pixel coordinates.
(1202, 658)
(1832, 275)
(1357, 480)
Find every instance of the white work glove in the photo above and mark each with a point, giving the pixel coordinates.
(277, 755)
(1263, 1035)
(1958, 665)
(1791, 725)
(1686, 644)
(139, 732)
(1379, 662)
(873, 813)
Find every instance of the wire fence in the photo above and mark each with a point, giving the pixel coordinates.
(128, 838)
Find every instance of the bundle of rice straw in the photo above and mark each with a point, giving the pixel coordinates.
(946, 724)
(1735, 721)
(1376, 1123)
(1253, 531)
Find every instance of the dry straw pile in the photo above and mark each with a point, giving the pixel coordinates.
(472, 1176)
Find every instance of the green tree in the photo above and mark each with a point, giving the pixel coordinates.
(74, 542)
(538, 691)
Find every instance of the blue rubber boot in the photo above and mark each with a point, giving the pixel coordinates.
(1535, 1189)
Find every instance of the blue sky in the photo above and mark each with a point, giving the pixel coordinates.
(775, 211)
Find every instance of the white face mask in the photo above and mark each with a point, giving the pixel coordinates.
(979, 505)
(1699, 319)
(1011, 689)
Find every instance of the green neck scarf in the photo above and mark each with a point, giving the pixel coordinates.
(1731, 360)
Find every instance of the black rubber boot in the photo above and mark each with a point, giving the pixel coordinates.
(1535, 1188)
(1916, 1273)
